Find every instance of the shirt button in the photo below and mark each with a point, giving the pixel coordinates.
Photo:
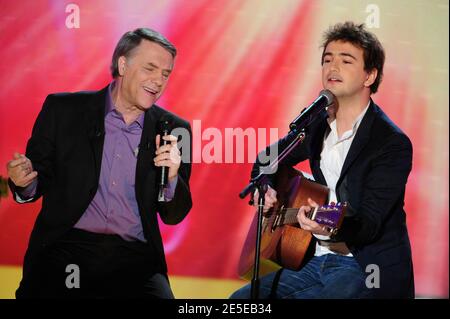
(114, 183)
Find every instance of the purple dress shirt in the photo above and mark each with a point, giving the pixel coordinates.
(114, 209)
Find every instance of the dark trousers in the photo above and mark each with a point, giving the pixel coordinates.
(88, 265)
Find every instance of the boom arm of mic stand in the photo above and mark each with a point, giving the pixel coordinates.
(298, 137)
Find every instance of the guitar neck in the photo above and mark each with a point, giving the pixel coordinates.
(327, 215)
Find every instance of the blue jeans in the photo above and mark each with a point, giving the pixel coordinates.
(329, 276)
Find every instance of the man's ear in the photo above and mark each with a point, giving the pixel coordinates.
(371, 77)
(121, 65)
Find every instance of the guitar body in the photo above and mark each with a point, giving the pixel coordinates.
(283, 243)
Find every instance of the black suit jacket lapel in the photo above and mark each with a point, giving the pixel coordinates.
(316, 148)
(361, 138)
(95, 126)
(147, 148)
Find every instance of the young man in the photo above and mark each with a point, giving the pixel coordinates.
(95, 157)
(365, 160)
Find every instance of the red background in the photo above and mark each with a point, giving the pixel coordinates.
(246, 64)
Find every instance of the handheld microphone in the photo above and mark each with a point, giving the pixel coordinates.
(308, 114)
(164, 126)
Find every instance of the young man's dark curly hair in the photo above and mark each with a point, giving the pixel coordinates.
(357, 35)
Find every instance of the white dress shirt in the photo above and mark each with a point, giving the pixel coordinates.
(332, 159)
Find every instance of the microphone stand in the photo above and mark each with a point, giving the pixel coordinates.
(260, 182)
(262, 188)
(298, 134)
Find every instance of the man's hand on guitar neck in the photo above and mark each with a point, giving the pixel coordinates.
(308, 224)
(270, 199)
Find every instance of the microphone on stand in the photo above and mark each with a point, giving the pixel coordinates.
(308, 115)
(164, 127)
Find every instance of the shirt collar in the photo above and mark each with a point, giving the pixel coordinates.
(111, 107)
(355, 124)
(358, 120)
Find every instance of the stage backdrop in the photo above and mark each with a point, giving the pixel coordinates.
(241, 64)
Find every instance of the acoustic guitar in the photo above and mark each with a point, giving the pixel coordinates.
(283, 242)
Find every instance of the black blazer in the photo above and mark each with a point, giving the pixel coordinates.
(372, 181)
(66, 150)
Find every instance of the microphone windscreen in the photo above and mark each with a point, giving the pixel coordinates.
(165, 123)
(328, 95)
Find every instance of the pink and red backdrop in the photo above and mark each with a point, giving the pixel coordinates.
(247, 64)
